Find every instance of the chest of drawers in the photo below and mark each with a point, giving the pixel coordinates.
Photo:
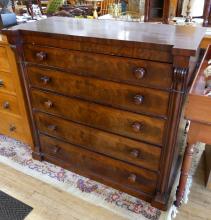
(107, 102)
(13, 118)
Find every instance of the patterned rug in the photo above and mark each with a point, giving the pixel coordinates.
(18, 155)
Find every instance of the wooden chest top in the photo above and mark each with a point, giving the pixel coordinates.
(158, 36)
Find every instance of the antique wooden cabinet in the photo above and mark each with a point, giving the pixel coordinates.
(13, 117)
(105, 98)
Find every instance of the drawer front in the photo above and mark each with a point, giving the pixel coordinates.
(12, 126)
(118, 147)
(120, 122)
(133, 71)
(132, 98)
(4, 64)
(6, 83)
(99, 167)
(9, 104)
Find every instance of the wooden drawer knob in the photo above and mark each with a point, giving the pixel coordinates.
(6, 105)
(134, 153)
(45, 79)
(140, 72)
(132, 178)
(137, 126)
(41, 56)
(1, 83)
(138, 99)
(56, 149)
(52, 127)
(48, 104)
(12, 128)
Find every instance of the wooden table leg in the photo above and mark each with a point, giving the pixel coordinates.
(186, 166)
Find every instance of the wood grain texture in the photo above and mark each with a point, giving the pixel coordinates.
(155, 74)
(95, 166)
(14, 120)
(118, 147)
(112, 104)
(118, 95)
(101, 117)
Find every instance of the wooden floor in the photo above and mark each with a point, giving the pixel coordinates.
(50, 203)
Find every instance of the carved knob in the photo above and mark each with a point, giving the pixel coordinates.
(138, 99)
(52, 127)
(134, 153)
(45, 79)
(48, 104)
(140, 72)
(132, 178)
(56, 149)
(12, 128)
(137, 126)
(41, 56)
(6, 105)
(1, 82)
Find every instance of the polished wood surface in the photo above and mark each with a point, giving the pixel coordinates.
(182, 40)
(65, 93)
(122, 148)
(126, 97)
(101, 117)
(95, 166)
(198, 112)
(14, 120)
(132, 71)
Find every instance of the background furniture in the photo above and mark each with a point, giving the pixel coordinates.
(198, 112)
(14, 122)
(107, 103)
(160, 10)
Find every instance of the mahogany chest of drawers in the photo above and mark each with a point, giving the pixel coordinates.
(13, 118)
(106, 98)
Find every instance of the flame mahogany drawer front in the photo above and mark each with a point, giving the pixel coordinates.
(133, 71)
(128, 124)
(108, 104)
(91, 164)
(118, 147)
(127, 97)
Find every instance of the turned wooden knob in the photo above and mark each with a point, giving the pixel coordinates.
(6, 105)
(45, 79)
(134, 153)
(48, 104)
(41, 56)
(138, 99)
(137, 126)
(1, 82)
(132, 178)
(56, 149)
(52, 127)
(12, 128)
(140, 72)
